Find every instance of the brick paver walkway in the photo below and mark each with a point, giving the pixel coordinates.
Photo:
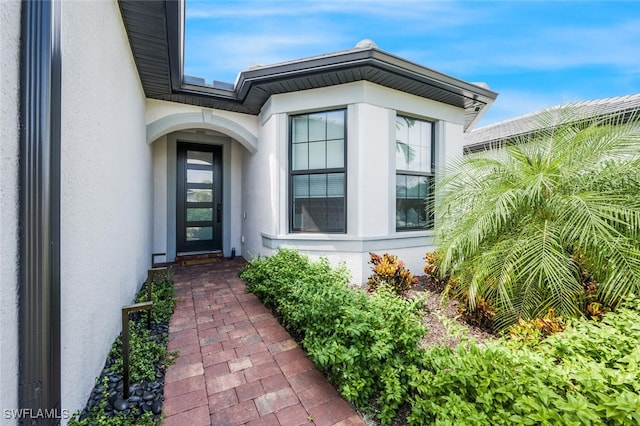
(237, 365)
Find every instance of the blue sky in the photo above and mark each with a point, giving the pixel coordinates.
(534, 54)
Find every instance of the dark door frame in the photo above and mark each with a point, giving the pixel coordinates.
(215, 244)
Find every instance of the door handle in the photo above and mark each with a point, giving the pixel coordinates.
(218, 212)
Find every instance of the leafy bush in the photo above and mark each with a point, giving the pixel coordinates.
(586, 374)
(524, 229)
(144, 353)
(363, 344)
(162, 296)
(388, 269)
(533, 331)
(97, 417)
(431, 261)
(368, 346)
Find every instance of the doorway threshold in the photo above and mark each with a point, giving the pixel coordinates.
(198, 257)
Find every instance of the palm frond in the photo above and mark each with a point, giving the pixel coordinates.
(509, 224)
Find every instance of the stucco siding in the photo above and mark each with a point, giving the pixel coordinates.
(106, 199)
(260, 190)
(9, 147)
(371, 170)
(235, 212)
(160, 197)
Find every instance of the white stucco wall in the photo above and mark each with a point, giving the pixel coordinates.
(371, 111)
(9, 146)
(235, 212)
(160, 197)
(106, 189)
(261, 189)
(157, 109)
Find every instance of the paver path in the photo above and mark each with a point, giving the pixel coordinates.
(237, 364)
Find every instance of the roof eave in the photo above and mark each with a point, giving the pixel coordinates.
(255, 86)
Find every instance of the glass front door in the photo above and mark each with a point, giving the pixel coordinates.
(199, 198)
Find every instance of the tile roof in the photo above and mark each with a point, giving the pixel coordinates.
(498, 133)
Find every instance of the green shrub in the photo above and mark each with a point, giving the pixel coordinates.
(363, 344)
(388, 269)
(586, 374)
(533, 331)
(97, 415)
(162, 296)
(144, 353)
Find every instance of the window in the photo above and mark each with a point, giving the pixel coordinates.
(317, 172)
(414, 173)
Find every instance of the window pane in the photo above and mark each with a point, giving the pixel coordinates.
(413, 145)
(317, 127)
(410, 213)
(317, 186)
(401, 186)
(335, 185)
(199, 157)
(415, 132)
(199, 195)
(335, 125)
(413, 190)
(199, 176)
(300, 154)
(297, 214)
(300, 129)
(335, 153)
(199, 214)
(301, 186)
(317, 155)
(425, 159)
(319, 214)
(199, 233)
(424, 190)
(402, 129)
(403, 155)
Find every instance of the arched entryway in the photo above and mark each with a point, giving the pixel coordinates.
(197, 183)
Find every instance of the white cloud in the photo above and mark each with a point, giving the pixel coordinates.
(226, 54)
(552, 48)
(451, 13)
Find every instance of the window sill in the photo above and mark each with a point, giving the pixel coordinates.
(348, 243)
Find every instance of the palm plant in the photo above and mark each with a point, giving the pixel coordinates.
(520, 229)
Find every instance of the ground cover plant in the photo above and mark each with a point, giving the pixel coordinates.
(148, 358)
(553, 222)
(585, 375)
(368, 346)
(364, 344)
(390, 271)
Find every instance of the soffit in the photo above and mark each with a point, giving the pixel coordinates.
(154, 31)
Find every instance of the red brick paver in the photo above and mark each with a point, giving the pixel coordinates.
(237, 364)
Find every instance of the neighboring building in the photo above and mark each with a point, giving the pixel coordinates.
(498, 135)
(122, 156)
